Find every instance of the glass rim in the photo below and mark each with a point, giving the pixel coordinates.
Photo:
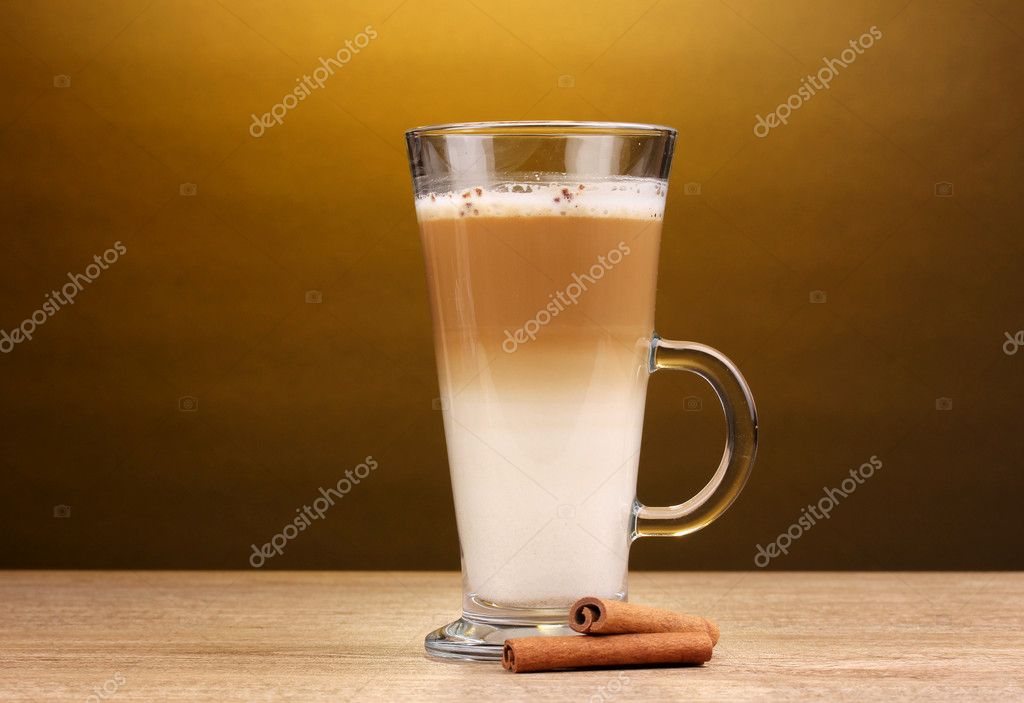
(537, 128)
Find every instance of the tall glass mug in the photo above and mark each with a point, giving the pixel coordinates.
(541, 244)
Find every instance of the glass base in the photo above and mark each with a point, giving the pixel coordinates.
(471, 640)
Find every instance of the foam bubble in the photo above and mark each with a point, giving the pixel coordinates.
(626, 198)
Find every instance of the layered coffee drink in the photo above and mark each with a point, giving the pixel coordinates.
(542, 295)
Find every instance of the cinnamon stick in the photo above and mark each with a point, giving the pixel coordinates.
(598, 616)
(527, 654)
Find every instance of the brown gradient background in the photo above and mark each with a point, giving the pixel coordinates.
(209, 300)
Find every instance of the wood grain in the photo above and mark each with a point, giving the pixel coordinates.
(318, 636)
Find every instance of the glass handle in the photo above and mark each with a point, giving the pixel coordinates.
(740, 446)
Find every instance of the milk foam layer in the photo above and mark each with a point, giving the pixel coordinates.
(624, 198)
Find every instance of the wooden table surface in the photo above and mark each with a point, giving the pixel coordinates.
(309, 636)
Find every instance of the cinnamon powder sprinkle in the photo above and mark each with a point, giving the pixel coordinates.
(479, 192)
(466, 194)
